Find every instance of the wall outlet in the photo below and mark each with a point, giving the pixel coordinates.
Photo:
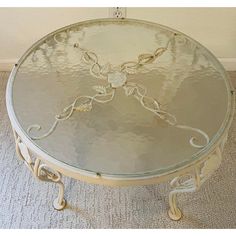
(117, 12)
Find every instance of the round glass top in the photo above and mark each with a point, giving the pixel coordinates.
(121, 97)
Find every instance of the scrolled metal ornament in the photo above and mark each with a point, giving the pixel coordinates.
(195, 179)
(117, 77)
(41, 171)
(151, 104)
(81, 104)
(47, 174)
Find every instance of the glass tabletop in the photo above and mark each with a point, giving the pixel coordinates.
(121, 97)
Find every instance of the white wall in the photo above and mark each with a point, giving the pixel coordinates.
(213, 27)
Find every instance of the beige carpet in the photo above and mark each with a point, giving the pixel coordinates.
(26, 202)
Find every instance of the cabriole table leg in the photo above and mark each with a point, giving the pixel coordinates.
(41, 171)
(191, 182)
(189, 185)
(44, 173)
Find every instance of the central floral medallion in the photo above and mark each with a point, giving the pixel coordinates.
(117, 79)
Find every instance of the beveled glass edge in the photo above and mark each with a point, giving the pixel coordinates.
(139, 175)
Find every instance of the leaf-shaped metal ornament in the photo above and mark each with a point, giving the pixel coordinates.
(100, 89)
(145, 59)
(129, 90)
(24, 152)
(84, 107)
(211, 164)
(89, 57)
(130, 67)
(105, 69)
(159, 52)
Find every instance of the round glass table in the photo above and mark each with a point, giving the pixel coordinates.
(120, 102)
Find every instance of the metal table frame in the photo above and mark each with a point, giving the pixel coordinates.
(44, 167)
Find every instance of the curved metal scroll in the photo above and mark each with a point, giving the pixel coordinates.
(117, 77)
(41, 171)
(191, 182)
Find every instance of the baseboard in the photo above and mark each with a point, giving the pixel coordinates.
(228, 63)
(7, 65)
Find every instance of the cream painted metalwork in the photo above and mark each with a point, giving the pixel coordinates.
(196, 176)
(195, 179)
(187, 177)
(116, 78)
(41, 171)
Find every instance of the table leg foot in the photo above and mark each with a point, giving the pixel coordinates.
(175, 215)
(59, 205)
(47, 174)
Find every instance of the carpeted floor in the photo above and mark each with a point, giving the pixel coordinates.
(26, 202)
